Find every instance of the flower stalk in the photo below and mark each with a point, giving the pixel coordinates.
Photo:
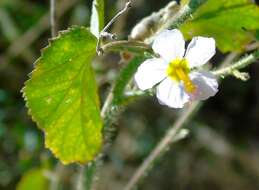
(242, 63)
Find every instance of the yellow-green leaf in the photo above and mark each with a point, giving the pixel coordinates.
(62, 97)
(231, 23)
(33, 179)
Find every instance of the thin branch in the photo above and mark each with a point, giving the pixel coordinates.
(53, 18)
(103, 33)
(127, 6)
(166, 141)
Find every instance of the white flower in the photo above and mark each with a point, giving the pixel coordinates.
(177, 82)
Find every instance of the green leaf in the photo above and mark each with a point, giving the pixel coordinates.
(124, 77)
(97, 17)
(62, 97)
(33, 179)
(231, 23)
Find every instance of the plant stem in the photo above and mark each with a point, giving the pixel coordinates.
(53, 18)
(243, 62)
(166, 141)
(133, 46)
(127, 6)
(185, 12)
(107, 107)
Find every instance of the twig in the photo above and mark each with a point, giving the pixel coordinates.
(53, 20)
(166, 141)
(103, 33)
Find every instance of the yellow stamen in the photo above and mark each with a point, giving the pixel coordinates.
(178, 70)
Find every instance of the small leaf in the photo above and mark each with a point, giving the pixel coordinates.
(62, 97)
(97, 17)
(33, 179)
(231, 23)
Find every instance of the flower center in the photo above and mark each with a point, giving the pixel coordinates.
(178, 70)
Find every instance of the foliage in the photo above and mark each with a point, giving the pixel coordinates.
(231, 23)
(62, 97)
(33, 178)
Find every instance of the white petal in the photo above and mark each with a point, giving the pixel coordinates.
(200, 50)
(169, 44)
(172, 94)
(150, 72)
(206, 84)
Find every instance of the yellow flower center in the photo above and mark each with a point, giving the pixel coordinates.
(179, 70)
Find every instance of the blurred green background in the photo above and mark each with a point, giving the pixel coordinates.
(221, 151)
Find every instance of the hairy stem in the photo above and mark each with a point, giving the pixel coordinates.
(243, 62)
(131, 46)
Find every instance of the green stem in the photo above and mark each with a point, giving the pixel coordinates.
(124, 45)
